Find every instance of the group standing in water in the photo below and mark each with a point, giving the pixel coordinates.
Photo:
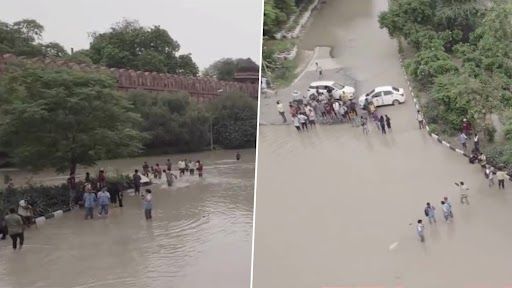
(157, 172)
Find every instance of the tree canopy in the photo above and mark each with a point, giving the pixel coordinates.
(129, 45)
(225, 68)
(65, 117)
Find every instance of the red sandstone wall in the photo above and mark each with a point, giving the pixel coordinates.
(200, 88)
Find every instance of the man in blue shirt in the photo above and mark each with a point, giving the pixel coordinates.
(89, 201)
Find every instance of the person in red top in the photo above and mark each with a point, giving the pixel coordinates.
(102, 179)
(466, 127)
(293, 110)
(199, 168)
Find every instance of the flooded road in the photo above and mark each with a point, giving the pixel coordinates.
(336, 208)
(200, 236)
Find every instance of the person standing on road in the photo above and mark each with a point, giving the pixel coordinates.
(303, 119)
(447, 211)
(463, 140)
(430, 212)
(103, 201)
(136, 182)
(311, 116)
(420, 229)
(489, 174)
(280, 110)
(388, 122)
(476, 142)
(89, 202)
(148, 205)
(463, 189)
(364, 124)
(296, 123)
(382, 123)
(421, 121)
(15, 228)
(501, 175)
(447, 202)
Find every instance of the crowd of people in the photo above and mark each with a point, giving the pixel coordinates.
(322, 107)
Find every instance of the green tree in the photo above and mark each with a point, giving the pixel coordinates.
(131, 46)
(54, 49)
(234, 118)
(225, 68)
(172, 121)
(427, 65)
(79, 57)
(67, 118)
(20, 38)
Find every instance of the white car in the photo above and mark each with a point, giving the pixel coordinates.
(337, 89)
(384, 95)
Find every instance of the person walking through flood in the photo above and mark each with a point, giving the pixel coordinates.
(181, 167)
(145, 169)
(187, 166)
(191, 168)
(462, 140)
(447, 211)
(136, 182)
(280, 110)
(199, 168)
(430, 212)
(489, 174)
(168, 164)
(388, 122)
(382, 123)
(420, 230)
(238, 156)
(102, 179)
(103, 201)
(311, 116)
(170, 177)
(296, 123)
(364, 124)
(148, 204)
(303, 119)
(158, 171)
(420, 119)
(501, 175)
(447, 202)
(25, 211)
(464, 197)
(89, 199)
(15, 228)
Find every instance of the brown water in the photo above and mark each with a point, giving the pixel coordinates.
(200, 235)
(331, 203)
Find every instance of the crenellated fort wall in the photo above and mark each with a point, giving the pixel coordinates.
(202, 89)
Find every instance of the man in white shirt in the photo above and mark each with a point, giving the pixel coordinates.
(280, 109)
(420, 229)
(421, 121)
(463, 192)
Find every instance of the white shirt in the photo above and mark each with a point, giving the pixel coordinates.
(419, 228)
(446, 208)
(336, 106)
(296, 121)
(419, 117)
(280, 107)
(302, 118)
(463, 188)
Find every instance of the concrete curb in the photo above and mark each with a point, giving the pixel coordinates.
(56, 214)
(418, 108)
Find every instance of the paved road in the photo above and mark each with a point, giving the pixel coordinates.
(330, 203)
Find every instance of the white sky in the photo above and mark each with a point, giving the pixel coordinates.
(209, 29)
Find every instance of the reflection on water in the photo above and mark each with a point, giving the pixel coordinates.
(200, 236)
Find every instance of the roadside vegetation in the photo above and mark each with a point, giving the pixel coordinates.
(281, 17)
(459, 56)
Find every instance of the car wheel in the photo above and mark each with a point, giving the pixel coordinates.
(396, 102)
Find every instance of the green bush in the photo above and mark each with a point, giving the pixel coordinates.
(234, 119)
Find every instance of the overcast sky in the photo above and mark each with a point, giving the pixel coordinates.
(209, 29)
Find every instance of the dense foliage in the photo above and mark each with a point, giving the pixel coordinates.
(234, 119)
(173, 122)
(462, 60)
(66, 118)
(129, 45)
(225, 68)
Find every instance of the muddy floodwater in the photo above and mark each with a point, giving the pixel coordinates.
(200, 235)
(336, 208)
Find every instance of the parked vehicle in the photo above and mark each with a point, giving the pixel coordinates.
(384, 95)
(338, 90)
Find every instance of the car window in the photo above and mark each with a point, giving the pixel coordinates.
(377, 94)
(387, 92)
(395, 89)
(338, 86)
(370, 93)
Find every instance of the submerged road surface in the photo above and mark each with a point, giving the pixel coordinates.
(200, 236)
(336, 208)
